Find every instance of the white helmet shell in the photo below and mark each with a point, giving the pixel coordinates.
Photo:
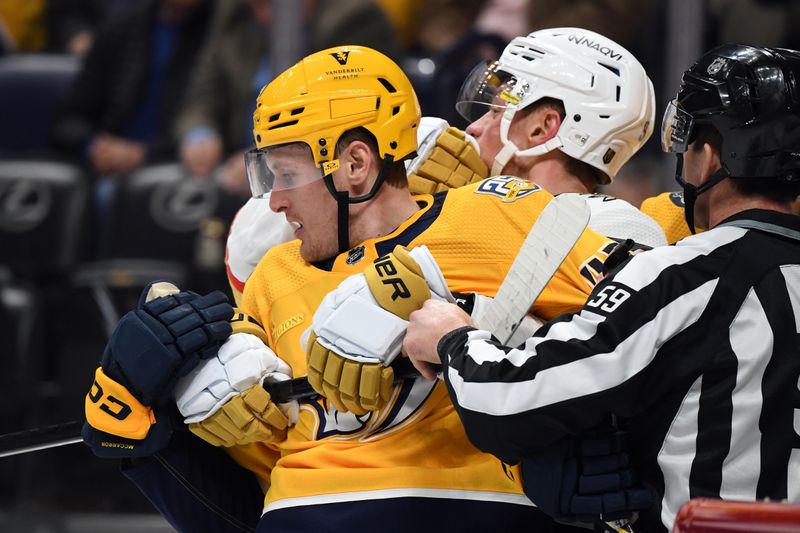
(607, 95)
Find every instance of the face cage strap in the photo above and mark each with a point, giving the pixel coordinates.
(343, 201)
(691, 192)
(510, 149)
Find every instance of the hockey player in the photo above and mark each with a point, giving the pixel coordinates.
(695, 345)
(565, 108)
(331, 134)
(615, 113)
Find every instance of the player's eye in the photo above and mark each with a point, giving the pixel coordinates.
(285, 180)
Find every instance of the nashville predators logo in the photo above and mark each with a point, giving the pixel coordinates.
(341, 57)
(508, 188)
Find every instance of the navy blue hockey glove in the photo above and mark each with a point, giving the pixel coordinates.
(129, 408)
(583, 479)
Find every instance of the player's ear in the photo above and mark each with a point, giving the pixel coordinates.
(551, 122)
(357, 164)
(540, 126)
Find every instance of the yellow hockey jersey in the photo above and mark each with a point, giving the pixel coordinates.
(416, 445)
(667, 210)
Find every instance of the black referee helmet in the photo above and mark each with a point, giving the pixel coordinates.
(752, 97)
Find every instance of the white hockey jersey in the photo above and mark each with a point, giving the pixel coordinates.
(618, 219)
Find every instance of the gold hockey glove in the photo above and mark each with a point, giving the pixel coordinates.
(359, 327)
(249, 417)
(454, 162)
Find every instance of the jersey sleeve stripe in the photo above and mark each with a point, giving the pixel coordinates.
(659, 259)
(524, 389)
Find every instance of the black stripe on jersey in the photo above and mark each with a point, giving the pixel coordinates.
(408, 235)
(713, 439)
(782, 373)
(416, 229)
(719, 373)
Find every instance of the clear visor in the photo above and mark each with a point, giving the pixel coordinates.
(676, 129)
(281, 167)
(489, 87)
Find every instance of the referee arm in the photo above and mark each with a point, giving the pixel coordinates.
(618, 355)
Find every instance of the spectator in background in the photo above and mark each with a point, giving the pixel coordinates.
(119, 113)
(443, 23)
(403, 15)
(6, 45)
(216, 124)
(71, 24)
(121, 107)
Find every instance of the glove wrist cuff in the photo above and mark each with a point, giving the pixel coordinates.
(111, 408)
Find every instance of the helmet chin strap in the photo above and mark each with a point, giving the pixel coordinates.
(503, 157)
(691, 192)
(510, 149)
(343, 201)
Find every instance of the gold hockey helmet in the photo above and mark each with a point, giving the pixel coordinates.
(335, 90)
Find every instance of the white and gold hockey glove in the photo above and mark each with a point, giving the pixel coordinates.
(224, 400)
(358, 328)
(447, 158)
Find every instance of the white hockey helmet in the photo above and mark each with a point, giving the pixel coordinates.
(608, 98)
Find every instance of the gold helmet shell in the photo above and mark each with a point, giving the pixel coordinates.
(335, 90)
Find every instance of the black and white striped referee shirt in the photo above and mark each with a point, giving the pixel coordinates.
(696, 345)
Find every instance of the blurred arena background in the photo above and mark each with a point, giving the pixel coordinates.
(123, 123)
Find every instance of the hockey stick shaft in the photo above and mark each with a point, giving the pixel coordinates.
(555, 232)
(553, 235)
(43, 438)
(66, 433)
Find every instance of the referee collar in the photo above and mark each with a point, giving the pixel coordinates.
(786, 225)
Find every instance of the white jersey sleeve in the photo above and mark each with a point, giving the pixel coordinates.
(254, 230)
(618, 219)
